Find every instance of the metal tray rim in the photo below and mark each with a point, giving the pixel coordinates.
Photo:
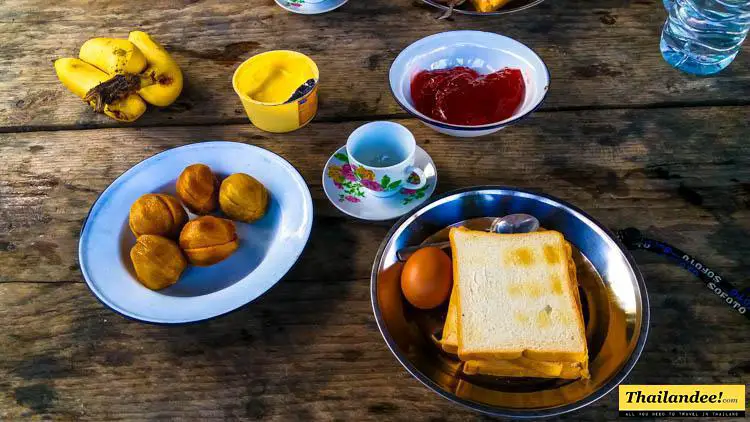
(504, 412)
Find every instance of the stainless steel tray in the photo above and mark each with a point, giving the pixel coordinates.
(613, 293)
(467, 9)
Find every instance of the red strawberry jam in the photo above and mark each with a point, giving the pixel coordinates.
(461, 96)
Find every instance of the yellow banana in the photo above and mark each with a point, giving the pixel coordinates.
(126, 110)
(115, 76)
(113, 56)
(162, 81)
(80, 78)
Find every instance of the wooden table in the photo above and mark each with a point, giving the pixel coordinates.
(622, 135)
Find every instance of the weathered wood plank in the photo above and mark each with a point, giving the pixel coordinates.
(602, 55)
(310, 349)
(682, 174)
(307, 350)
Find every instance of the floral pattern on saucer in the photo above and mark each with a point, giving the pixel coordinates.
(413, 195)
(353, 182)
(347, 188)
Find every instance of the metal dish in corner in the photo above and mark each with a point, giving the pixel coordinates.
(466, 9)
(614, 302)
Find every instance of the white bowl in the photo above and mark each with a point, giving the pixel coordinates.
(485, 52)
(268, 247)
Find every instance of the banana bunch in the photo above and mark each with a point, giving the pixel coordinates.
(118, 77)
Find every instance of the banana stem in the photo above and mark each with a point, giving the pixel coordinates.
(112, 90)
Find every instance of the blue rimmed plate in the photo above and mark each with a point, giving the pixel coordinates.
(268, 247)
(310, 7)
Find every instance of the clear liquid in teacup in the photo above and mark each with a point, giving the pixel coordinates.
(380, 151)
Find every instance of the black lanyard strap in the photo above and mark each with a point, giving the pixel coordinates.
(733, 297)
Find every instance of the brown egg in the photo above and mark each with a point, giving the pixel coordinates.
(157, 213)
(427, 277)
(158, 261)
(208, 240)
(243, 198)
(198, 188)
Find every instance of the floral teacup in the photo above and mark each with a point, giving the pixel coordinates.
(381, 155)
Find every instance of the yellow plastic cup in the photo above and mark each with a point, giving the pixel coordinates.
(266, 81)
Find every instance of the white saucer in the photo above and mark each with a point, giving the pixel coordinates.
(349, 196)
(310, 7)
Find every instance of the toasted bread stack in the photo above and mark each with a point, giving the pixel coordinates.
(515, 310)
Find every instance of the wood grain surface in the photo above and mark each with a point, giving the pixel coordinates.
(599, 54)
(624, 167)
(310, 344)
(622, 135)
(307, 350)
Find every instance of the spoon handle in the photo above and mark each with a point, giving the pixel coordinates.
(404, 253)
(512, 223)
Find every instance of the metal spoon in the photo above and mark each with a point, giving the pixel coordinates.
(515, 223)
(511, 223)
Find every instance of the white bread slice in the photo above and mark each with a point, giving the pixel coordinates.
(449, 340)
(521, 367)
(505, 368)
(553, 369)
(516, 297)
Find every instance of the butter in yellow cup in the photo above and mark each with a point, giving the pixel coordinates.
(265, 83)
